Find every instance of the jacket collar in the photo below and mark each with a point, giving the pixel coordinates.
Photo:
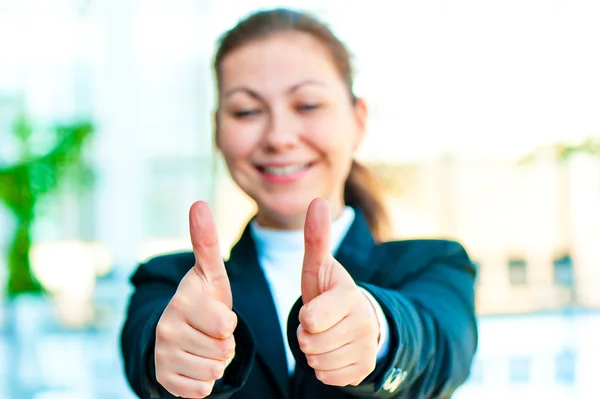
(353, 252)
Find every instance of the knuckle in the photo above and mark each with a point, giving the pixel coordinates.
(167, 382)
(216, 370)
(304, 343)
(164, 332)
(227, 347)
(321, 376)
(366, 368)
(233, 322)
(223, 327)
(309, 319)
(325, 377)
(313, 361)
(179, 304)
(201, 390)
(311, 325)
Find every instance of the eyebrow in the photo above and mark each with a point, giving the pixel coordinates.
(257, 96)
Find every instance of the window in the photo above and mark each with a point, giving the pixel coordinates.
(520, 369)
(517, 271)
(563, 271)
(565, 367)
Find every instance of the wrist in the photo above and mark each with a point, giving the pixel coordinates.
(374, 308)
(383, 340)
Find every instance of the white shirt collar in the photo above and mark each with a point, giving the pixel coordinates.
(271, 241)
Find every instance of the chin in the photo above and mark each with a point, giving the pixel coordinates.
(288, 208)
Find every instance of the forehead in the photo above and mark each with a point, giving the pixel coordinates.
(278, 60)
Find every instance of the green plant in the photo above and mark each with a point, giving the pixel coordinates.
(32, 177)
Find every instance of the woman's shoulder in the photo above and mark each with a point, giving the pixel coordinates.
(424, 251)
(430, 245)
(178, 259)
(420, 258)
(171, 266)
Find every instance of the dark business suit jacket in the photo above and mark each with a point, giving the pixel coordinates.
(425, 288)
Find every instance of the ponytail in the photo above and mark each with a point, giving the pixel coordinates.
(362, 191)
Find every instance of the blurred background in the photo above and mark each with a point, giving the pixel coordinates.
(484, 127)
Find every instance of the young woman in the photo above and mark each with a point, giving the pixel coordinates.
(312, 303)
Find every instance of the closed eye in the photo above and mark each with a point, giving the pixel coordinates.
(245, 113)
(308, 107)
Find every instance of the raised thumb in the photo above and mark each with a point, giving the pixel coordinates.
(209, 262)
(318, 266)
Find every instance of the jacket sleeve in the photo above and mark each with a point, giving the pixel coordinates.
(155, 283)
(431, 317)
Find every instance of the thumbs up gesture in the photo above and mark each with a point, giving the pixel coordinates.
(339, 328)
(194, 336)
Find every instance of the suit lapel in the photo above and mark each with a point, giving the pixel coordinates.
(253, 299)
(355, 249)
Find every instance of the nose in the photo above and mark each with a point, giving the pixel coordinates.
(282, 131)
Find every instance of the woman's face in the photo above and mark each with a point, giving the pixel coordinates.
(286, 126)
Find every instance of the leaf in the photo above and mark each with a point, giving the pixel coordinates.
(22, 186)
(22, 129)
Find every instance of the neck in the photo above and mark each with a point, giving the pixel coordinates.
(291, 222)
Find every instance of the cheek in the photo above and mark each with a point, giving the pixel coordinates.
(335, 140)
(236, 144)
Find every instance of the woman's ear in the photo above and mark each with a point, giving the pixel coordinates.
(361, 112)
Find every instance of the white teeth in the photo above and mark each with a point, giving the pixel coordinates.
(285, 170)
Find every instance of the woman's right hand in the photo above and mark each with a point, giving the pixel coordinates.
(194, 336)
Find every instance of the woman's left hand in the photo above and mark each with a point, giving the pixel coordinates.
(339, 329)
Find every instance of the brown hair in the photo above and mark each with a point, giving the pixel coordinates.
(360, 190)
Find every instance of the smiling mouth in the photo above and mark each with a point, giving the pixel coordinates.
(285, 170)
